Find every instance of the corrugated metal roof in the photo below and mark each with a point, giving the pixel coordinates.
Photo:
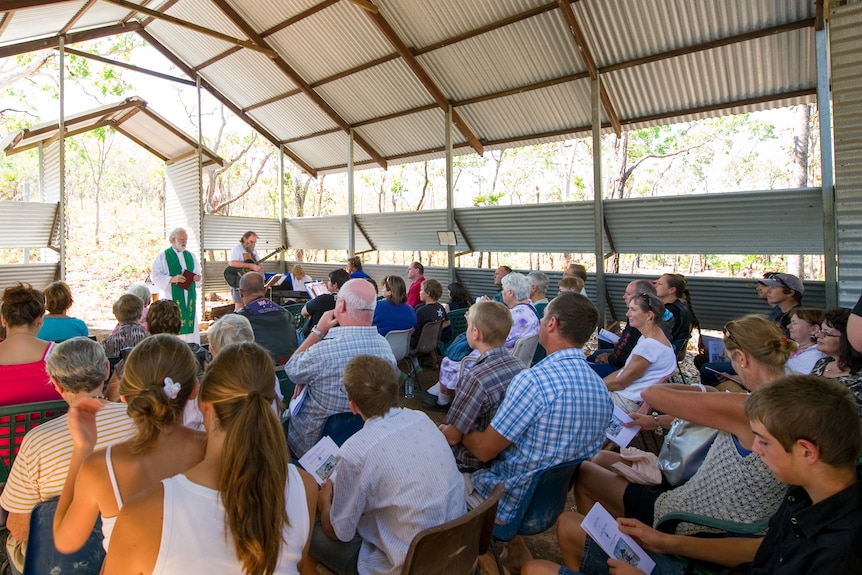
(26, 224)
(328, 150)
(846, 31)
(476, 48)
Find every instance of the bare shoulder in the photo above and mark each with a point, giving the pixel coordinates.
(137, 535)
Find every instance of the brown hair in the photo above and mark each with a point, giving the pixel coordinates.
(239, 385)
(58, 297)
(164, 317)
(371, 384)
(571, 283)
(813, 315)
(150, 363)
(128, 308)
(576, 315)
(848, 357)
(760, 338)
(22, 305)
(493, 319)
(822, 411)
(397, 290)
(433, 288)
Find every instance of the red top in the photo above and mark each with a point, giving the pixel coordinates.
(413, 293)
(26, 382)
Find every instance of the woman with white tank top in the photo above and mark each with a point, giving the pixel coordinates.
(159, 378)
(244, 508)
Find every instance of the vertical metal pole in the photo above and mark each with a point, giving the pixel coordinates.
(598, 199)
(450, 193)
(61, 142)
(827, 175)
(282, 236)
(201, 311)
(26, 199)
(351, 230)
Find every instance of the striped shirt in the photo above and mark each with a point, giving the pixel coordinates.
(553, 413)
(40, 469)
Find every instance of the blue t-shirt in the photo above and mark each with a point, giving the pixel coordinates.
(60, 328)
(388, 317)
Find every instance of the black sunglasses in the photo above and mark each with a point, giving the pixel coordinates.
(729, 335)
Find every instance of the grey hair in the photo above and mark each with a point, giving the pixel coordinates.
(644, 286)
(354, 301)
(517, 283)
(78, 364)
(175, 233)
(540, 280)
(232, 328)
(141, 291)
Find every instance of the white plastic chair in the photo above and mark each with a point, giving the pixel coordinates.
(525, 348)
(399, 341)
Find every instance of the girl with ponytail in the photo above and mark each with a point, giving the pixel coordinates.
(159, 378)
(244, 508)
(672, 289)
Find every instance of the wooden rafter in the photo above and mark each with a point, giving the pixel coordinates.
(54, 41)
(195, 27)
(294, 76)
(230, 105)
(423, 77)
(586, 55)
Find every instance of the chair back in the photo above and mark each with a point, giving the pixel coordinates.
(525, 347)
(679, 347)
(284, 384)
(42, 557)
(544, 500)
(294, 310)
(453, 547)
(457, 322)
(16, 421)
(429, 337)
(341, 426)
(399, 341)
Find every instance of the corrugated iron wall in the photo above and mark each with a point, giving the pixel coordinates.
(37, 275)
(26, 224)
(846, 50)
(224, 232)
(183, 205)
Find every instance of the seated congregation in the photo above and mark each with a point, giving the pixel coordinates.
(184, 459)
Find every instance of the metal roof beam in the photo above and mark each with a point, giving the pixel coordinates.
(74, 20)
(132, 67)
(420, 73)
(282, 65)
(195, 27)
(230, 105)
(19, 4)
(587, 57)
(54, 41)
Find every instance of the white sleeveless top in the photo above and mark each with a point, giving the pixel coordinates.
(108, 522)
(194, 538)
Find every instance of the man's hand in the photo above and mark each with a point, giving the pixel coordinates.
(197, 277)
(178, 279)
(82, 422)
(297, 390)
(617, 567)
(601, 358)
(254, 267)
(327, 322)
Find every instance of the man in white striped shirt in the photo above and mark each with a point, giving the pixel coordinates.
(78, 368)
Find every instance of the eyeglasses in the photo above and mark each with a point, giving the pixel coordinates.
(823, 333)
(729, 335)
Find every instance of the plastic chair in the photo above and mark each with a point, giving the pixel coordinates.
(294, 310)
(341, 426)
(457, 323)
(668, 523)
(399, 341)
(454, 547)
(16, 421)
(42, 557)
(525, 347)
(284, 384)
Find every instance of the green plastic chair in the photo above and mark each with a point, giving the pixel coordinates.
(457, 323)
(16, 421)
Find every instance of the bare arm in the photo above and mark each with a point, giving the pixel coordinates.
(723, 411)
(307, 565)
(485, 445)
(18, 525)
(622, 378)
(452, 434)
(137, 534)
(324, 504)
(727, 551)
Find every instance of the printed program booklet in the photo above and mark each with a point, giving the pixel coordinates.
(604, 530)
(320, 460)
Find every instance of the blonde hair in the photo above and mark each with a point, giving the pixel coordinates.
(298, 272)
(149, 365)
(239, 385)
(760, 338)
(493, 319)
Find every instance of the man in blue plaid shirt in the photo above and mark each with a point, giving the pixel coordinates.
(553, 413)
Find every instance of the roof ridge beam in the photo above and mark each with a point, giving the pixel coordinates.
(423, 77)
(288, 70)
(587, 57)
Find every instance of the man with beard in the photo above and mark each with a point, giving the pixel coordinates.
(239, 256)
(177, 274)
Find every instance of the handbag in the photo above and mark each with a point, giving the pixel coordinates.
(684, 450)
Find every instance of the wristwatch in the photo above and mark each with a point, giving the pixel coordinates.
(659, 430)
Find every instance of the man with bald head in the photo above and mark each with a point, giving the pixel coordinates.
(318, 364)
(272, 325)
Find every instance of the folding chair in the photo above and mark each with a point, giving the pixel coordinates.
(525, 348)
(679, 347)
(454, 547)
(42, 557)
(427, 345)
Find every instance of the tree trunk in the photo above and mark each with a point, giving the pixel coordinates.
(799, 175)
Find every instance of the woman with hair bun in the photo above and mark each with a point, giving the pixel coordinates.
(244, 508)
(159, 378)
(23, 378)
(58, 326)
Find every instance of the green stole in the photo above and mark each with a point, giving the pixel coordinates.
(178, 294)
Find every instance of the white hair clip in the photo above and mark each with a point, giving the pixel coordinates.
(171, 388)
